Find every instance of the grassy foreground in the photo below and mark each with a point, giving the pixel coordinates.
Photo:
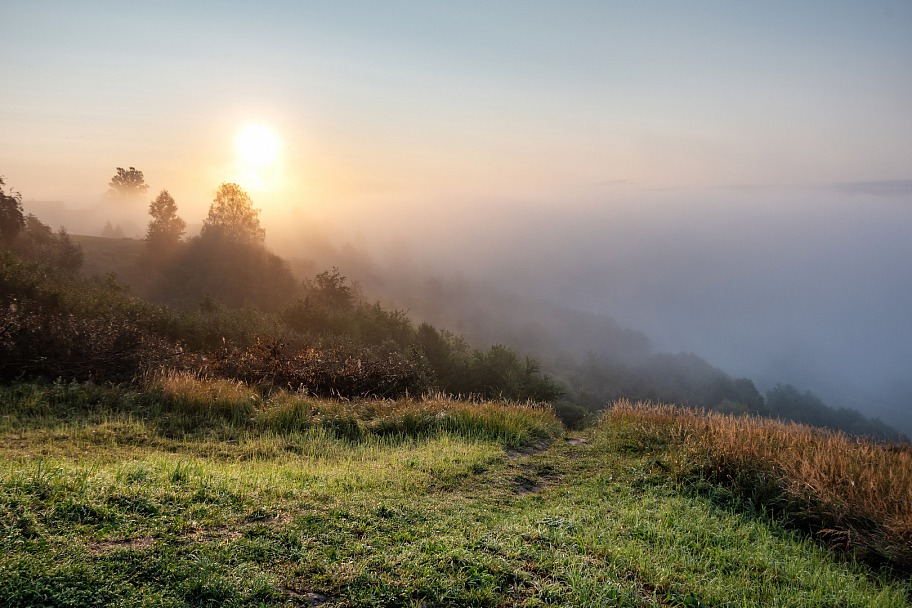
(214, 494)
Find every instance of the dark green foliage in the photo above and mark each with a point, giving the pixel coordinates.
(687, 379)
(448, 355)
(378, 326)
(330, 290)
(210, 326)
(228, 264)
(228, 272)
(325, 310)
(28, 284)
(38, 343)
(495, 373)
(572, 415)
(744, 392)
(36, 241)
(11, 218)
(329, 310)
(501, 373)
(54, 325)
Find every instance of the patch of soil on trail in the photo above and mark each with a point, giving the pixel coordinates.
(529, 450)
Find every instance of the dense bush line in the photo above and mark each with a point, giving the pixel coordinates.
(328, 342)
(327, 372)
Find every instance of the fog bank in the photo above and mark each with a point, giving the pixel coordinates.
(805, 285)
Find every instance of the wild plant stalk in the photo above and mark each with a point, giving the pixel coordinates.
(853, 493)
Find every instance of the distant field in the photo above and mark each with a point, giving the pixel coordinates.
(104, 255)
(214, 494)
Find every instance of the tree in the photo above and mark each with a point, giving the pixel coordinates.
(11, 219)
(112, 232)
(128, 183)
(330, 290)
(165, 228)
(233, 216)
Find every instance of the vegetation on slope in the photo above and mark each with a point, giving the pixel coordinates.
(624, 368)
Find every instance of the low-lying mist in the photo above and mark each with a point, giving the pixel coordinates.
(801, 285)
(809, 286)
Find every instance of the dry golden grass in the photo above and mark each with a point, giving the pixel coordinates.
(852, 493)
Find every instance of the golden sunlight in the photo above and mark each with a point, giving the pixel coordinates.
(257, 147)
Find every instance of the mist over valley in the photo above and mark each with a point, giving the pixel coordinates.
(782, 285)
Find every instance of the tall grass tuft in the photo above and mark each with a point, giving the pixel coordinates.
(200, 400)
(852, 493)
(514, 425)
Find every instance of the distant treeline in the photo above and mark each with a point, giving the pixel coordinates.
(222, 304)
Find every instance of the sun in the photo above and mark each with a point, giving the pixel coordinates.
(258, 153)
(257, 147)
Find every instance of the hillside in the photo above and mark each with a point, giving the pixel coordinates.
(591, 358)
(105, 255)
(197, 494)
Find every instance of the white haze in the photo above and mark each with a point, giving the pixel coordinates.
(806, 285)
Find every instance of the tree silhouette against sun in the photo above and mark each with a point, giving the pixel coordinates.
(233, 216)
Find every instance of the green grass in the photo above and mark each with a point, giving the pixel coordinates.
(143, 499)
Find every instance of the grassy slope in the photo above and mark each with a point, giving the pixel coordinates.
(118, 504)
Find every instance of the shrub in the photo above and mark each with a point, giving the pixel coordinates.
(330, 372)
(37, 343)
(572, 415)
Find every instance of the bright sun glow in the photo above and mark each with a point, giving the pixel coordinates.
(257, 146)
(258, 157)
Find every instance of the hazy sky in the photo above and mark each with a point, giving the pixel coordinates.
(734, 178)
(405, 101)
